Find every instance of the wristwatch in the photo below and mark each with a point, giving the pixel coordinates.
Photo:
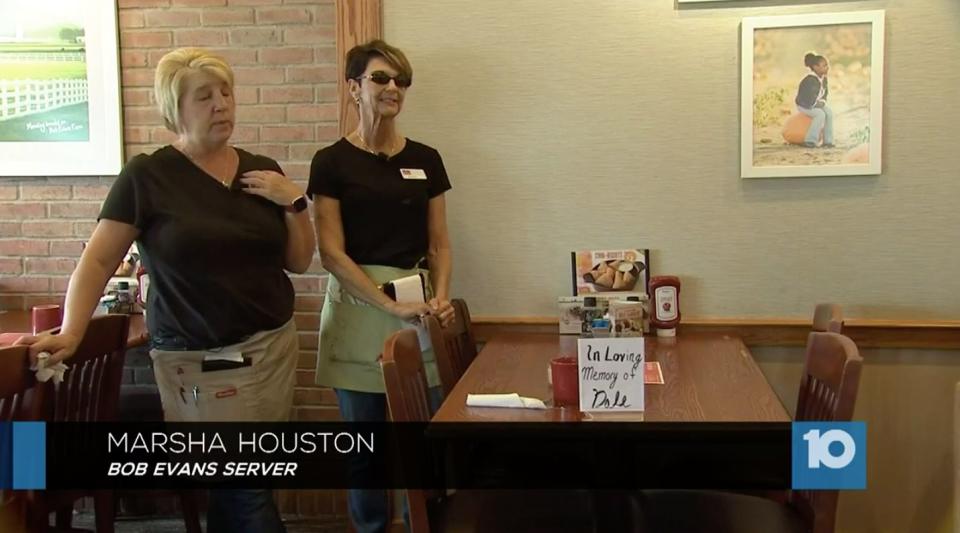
(297, 205)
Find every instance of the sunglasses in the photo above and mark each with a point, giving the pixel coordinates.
(382, 78)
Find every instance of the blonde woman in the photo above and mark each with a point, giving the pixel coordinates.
(217, 227)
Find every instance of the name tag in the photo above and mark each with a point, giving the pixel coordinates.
(413, 174)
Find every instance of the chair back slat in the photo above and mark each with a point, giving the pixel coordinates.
(454, 346)
(21, 396)
(404, 378)
(405, 381)
(90, 389)
(831, 376)
(828, 392)
(463, 312)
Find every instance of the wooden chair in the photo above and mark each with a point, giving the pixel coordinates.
(454, 346)
(89, 393)
(468, 511)
(21, 399)
(828, 392)
(956, 459)
(828, 317)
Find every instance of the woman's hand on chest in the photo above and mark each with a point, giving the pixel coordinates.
(271, 185)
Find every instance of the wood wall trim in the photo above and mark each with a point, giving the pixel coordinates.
(867, 333)
(358, 21)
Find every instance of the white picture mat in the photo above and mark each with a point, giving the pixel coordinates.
(102, 155)
(749, 26)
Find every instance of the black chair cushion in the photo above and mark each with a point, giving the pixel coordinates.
(498, 511)
(694, 511)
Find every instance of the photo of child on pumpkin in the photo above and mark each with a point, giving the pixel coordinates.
(811, 100)
(811, 88)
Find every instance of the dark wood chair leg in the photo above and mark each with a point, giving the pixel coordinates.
(191, 511)
(64, 517)
(36, 517)
(104, 510)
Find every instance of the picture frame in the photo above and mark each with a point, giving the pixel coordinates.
(623, 271)
(794, 124)
(60, 108)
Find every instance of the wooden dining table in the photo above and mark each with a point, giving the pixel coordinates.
(708, 378)
(19, 321)
(714, 422)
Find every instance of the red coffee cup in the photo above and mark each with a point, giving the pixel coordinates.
(566, 382)
(44, 317)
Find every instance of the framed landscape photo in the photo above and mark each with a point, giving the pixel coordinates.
(59, 88)
(811, 95)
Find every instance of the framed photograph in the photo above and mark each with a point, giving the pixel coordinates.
(811, 95)
(59, 88)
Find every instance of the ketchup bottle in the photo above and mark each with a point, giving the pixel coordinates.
(665, 291)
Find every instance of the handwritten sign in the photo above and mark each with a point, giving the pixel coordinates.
(611, 374)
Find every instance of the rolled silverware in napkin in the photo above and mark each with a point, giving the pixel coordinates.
(513, 400)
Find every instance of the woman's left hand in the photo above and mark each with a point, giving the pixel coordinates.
(443, 310)
(271, 185)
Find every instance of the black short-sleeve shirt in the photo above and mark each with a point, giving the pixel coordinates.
(215, 255)
(383, 205)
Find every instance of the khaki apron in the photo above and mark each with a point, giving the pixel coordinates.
(352, 334)
(261, 392)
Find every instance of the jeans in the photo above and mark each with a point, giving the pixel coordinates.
(243, 511)
(822, 120)
(368, 507)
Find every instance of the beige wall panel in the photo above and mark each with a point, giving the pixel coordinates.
(572, 124)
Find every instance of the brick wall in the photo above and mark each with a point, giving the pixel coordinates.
(284, 56)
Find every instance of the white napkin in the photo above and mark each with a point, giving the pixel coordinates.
(513, 400)
(409, 289)
(44, 372)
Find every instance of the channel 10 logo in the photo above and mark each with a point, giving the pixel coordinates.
(829, 455)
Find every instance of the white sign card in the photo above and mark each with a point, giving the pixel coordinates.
(611, 374)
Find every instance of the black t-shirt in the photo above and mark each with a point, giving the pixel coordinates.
(384, 213)
(215, 256)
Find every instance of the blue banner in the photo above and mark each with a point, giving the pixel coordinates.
(29, 455)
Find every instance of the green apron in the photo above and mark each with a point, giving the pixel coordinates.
(352, 333)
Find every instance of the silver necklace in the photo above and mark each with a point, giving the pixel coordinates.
(367, 148)
(194, 160)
